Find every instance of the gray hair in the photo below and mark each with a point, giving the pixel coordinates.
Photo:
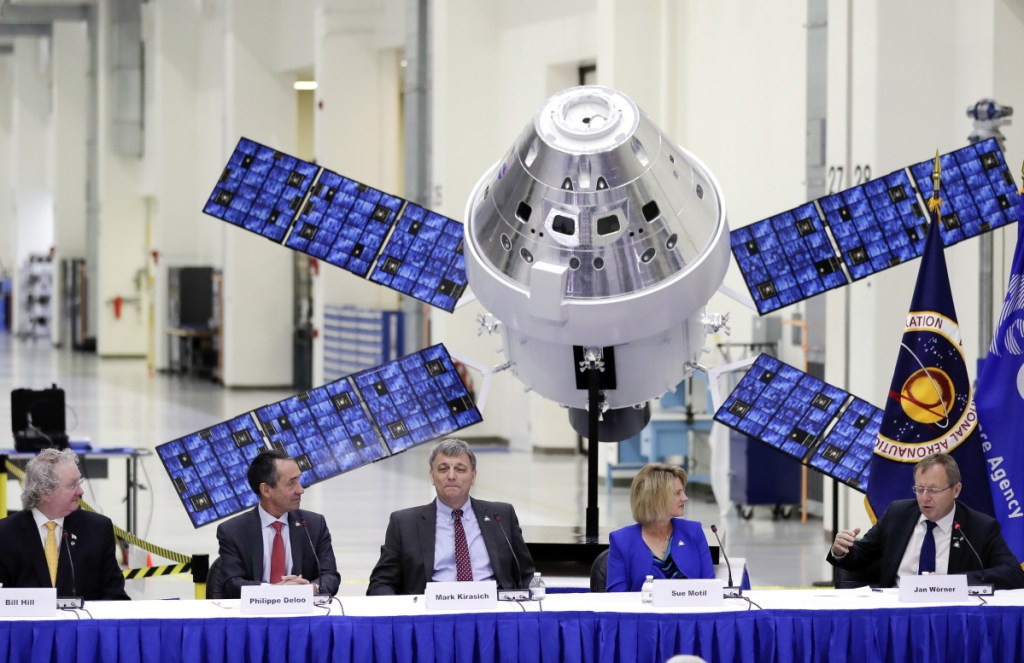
(41, 477)
(452, 447)
(945, 461)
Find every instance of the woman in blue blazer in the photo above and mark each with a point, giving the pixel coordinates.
(661, 543)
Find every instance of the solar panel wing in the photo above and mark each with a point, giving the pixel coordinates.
(335, 219)
(261, 189)
(208, 468)
(877, 225)
(820, 425)
(423, 258)
(846, 454)
(345, 223)
(329, 430)
(787, 258)
(977, 190)
(417, 398)
(324, 430)
(872, 226)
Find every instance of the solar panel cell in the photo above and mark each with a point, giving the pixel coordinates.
(819, 424)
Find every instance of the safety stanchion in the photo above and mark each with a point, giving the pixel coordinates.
(3, 486)
(200, 571)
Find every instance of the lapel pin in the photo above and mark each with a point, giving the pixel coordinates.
(680, 543)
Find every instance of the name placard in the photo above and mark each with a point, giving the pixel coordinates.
(276, 599)
(933, 588)
(688, 593)
(479, 595)
(35, 602)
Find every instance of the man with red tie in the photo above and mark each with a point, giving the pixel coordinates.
(453, 538)
(276, 542)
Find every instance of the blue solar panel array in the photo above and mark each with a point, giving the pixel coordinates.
(787, 258)
(876, 225)
(818, 424)
(340, 221)
(858, 232)
(977, 190)
(330, 430)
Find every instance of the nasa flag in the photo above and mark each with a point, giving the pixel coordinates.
(1001, 404)
(929, 408)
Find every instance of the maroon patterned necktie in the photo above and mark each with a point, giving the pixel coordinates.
(463, 567)
(277, 555)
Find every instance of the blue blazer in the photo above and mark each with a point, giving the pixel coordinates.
(630, 560)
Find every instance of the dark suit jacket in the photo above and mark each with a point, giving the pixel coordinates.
(630, 560)
(241, 551)
(90, 540)
(886, 542)
(406, 561)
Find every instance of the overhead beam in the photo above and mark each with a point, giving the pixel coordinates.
(42, 13)
(26, 29)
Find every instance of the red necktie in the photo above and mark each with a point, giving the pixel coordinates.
(463, 567)
(277, 555)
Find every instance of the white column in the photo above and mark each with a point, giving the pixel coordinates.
(181, 168)
(121, 222)
(357, 131)
(8, 234)
(30, 136)
(70, 96)
(258, 284)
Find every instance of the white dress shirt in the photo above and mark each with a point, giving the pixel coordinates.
(444, 544)
(942, 533)
(266, 526)
(41, 521)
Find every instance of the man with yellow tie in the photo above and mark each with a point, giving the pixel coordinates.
(53, 543)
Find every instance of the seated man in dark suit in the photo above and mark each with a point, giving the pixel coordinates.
(931, 535)
(276, 542)
(453, 538)
(53, 543)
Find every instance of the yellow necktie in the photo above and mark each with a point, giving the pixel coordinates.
(51, 552)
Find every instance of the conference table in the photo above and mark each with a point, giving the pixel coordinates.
(789, 625)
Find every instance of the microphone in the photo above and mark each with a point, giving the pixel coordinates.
(982, 589)
(730, 591)
(516, 594)
(74, 601)
(303, 524)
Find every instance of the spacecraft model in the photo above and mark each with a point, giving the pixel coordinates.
(594, 245)
(597, 241)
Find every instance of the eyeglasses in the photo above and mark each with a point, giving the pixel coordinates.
(74, 485)
(918, 490)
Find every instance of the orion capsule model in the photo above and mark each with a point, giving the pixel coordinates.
(597, 241)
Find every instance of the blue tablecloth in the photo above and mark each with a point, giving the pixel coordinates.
(976, 634)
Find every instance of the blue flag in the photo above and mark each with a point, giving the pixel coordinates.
(1001, 404)
(929, 407)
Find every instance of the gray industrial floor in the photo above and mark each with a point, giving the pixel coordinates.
(115, 402)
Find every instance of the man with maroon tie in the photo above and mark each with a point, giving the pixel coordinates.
(453, 538)
(276, 542)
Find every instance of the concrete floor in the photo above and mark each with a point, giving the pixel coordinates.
(115, 402)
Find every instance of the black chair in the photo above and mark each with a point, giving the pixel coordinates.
(599, 572)
(215, 581)
(869, 575)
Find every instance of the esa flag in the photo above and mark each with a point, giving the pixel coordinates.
(929, 407)
(1001, 404)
